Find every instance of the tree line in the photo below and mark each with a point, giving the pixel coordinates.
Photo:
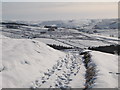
(59, 47)
(113, 49)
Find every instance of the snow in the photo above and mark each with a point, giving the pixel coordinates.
(79, 80)
(89, 43)
(25, 60)
(107, 67)
(107, 24)
(66, 73)
(105, 39)
(108, 32)
(103, 36)
(51, 41)
(0, 61)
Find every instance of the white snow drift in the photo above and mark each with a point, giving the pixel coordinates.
(107, 67)
(25, 60)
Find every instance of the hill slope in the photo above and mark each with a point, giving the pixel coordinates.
(24, 60)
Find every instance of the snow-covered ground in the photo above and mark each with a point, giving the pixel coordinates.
(51, 41)
(28, 62)
(0, 60)
(66, 73)
(107, 69)
(24, 60)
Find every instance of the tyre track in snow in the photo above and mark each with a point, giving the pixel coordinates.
(61, 73)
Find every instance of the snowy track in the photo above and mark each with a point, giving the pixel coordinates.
(62, 74)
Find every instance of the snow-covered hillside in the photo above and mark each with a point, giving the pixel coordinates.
(28, 61)
(0, 59)
(107, 69)
(107, 24)
(24, 60)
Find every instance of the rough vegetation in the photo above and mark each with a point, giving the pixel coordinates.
(90, 75)
(58, 47)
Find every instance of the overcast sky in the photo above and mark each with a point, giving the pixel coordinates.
(58, 11)
(60, 0)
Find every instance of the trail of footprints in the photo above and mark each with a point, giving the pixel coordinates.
(61, 73)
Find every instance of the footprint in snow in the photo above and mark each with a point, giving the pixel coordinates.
(43, 81)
